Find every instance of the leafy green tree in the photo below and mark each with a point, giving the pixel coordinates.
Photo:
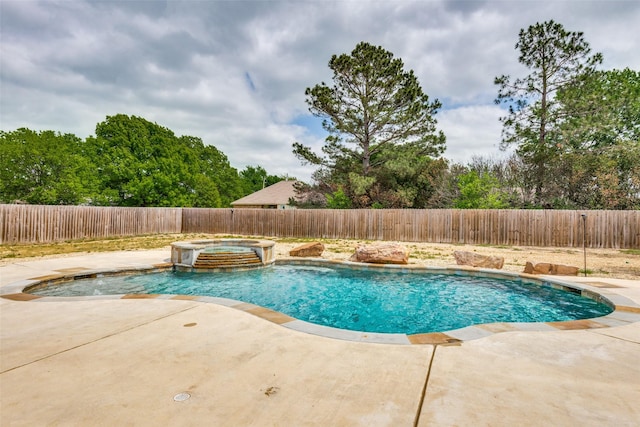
(374, 109)
(479, 191)
(602, 109)
(205, 193)
(407, 178)
(130, 162)
(338, 200)
(600, 141)
(139, 163)
(44, 168)
(557, 59)
(255, 178)
(215, 165)
(601, 179)
(144, 164)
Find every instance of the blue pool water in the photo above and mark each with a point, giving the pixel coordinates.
(368, 301)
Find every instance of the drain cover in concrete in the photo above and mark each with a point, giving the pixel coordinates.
(181, 397)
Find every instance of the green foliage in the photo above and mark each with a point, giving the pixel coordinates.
(255, 178)
(144, 164)
(206, 194)
(130, 162)
(215, 166)
(338, 200)
(600, 141)
(43, 168)
(379, 120)
(479, 191)
(602, 109)
(557, 59)
(630, 251)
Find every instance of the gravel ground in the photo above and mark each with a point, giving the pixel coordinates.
(609, 263)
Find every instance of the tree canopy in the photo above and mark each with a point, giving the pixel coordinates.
(576, 129)
(600, 140)
(255, 178)
(382, 131)
(43, 168)
(557, 59)
(129, 162)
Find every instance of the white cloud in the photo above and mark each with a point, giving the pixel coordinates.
(471, 131)
(66, 65)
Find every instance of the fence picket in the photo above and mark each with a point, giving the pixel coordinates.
(604, 229)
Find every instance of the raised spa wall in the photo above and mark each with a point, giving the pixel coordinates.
(186, 253)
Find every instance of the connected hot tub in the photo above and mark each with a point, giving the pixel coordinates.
(222, 254)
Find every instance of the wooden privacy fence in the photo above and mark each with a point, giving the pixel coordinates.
(604, 229)
(41, 224)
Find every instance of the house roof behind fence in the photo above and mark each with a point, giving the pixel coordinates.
(276, 194)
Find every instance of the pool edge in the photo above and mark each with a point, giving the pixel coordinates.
(625, 311)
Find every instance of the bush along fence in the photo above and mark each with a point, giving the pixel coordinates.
(554, 228)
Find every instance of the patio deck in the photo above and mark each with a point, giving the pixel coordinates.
(123, 361)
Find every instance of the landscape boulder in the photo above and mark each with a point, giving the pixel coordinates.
(381, 253)
(564, 270)
(476, 260)
(548, 268)
(538, 268)
(313, 249)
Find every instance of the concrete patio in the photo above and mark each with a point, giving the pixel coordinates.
(134, 361)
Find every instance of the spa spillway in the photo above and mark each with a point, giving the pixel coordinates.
(222, 254)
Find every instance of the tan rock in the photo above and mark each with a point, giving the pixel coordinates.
(548, 268)
(381, 253)
(476, 260)
(564, 270)
(313, 249)
(528, 268)
(542, 268)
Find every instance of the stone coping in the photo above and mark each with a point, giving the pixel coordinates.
(205, 243)
(625, 311)
(185, 253)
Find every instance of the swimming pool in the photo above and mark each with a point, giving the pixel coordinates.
(380, 300)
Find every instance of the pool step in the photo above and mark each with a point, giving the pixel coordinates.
(227, 260)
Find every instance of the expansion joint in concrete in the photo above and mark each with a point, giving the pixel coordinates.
(95, 340)
(595, 331)
(423, 394)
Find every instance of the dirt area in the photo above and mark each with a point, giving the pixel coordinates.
(609, 263)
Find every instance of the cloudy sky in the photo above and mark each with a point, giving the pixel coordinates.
(234, 72)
